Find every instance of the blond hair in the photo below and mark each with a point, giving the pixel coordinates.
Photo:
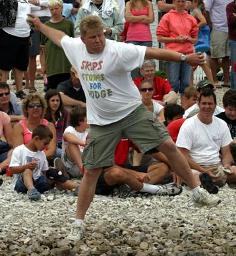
(55, 2)
(90, 22)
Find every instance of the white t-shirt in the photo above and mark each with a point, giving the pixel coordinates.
(80, 135)
(21, 28)
(157, 107)
(195, 109)
(21, 155)
(204, 141)
(105, 77)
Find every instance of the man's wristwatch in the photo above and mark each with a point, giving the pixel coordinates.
(183, 57)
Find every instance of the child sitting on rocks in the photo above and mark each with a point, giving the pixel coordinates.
(73, 143)
(30, 166)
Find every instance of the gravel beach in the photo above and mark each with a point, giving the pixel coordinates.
(117, 226)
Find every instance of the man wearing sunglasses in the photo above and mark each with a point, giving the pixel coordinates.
(9, 103)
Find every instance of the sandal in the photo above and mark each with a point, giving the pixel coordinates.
(33, 194)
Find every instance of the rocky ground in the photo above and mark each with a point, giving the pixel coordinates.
(116, 226)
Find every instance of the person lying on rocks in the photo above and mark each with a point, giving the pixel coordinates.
(30, 167)
(201, 139)
(74, 139)
(229, 116)
(137, 179)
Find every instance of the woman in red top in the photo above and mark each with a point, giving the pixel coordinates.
(139, 14)
(34, 107)
(178, 30)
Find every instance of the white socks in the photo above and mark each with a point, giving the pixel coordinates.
(79, 222)
(149, 188)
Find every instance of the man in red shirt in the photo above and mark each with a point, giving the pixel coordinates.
(162, 89)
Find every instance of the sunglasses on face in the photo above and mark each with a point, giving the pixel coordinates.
(35, 105)
(146, 89)
(4, 94)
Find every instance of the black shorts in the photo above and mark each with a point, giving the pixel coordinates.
(56, 175)
(14, 52)
(102, 187)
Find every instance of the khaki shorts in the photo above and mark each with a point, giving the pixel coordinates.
(219, 44)
(138, 126)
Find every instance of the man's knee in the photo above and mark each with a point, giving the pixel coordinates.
(168, 147)
(92, 174)
(114, 175)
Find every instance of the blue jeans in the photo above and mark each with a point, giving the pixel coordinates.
(41, 184)
(179, 75)
(232, 45)
(4, 148)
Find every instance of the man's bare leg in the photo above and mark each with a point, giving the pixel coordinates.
(178, 162)
(118, 175)
(32, 71)
(18, 79)
(4, 75)
(157, 172)
(214, 66)
(87, 191)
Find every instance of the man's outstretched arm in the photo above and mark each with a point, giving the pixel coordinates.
(53, 34)
(193, 59)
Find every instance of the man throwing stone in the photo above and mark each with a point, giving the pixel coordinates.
(114, 106)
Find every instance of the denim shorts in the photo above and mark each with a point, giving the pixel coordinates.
(138, 126)
(41, 184)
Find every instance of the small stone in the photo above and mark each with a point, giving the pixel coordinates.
(144, 245)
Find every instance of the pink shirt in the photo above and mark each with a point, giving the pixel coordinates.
(4, 119)
(27, 133)
(139, 31)
(174, 24)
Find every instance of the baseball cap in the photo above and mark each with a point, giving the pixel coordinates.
(204, 84)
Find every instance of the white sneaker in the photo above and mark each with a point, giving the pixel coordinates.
(77, 231)
(170, 189)
(201, 196)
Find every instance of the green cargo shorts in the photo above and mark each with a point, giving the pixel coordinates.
(138, 126)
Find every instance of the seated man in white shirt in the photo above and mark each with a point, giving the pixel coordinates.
(202, 138)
